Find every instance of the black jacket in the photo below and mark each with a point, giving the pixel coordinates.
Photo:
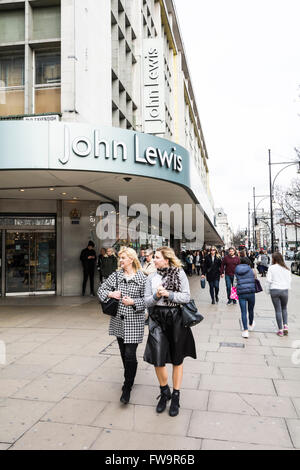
(212, 270)
(109, 265)
(88, 264)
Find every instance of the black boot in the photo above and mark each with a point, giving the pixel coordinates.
(174, 408)
(165, 396)
(129, 374)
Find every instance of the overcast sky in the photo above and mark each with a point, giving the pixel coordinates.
(244, 60)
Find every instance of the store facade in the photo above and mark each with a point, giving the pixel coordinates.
(55, 176)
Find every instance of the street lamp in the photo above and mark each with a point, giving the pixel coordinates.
(272, 184)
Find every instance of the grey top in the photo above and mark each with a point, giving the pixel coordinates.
(155, 280)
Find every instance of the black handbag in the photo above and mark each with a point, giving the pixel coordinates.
(258, 287)
(190, 314)
(111, 307)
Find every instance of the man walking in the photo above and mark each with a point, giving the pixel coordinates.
(88, 259)
(229, 263)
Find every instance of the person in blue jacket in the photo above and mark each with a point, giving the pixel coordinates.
(245, 276)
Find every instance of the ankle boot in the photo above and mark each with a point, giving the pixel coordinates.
(129, 374)
(165, 396)
(174, 408)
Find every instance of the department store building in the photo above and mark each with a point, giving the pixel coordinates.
(96, 102)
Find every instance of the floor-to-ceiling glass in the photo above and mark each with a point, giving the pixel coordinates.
(30, 262)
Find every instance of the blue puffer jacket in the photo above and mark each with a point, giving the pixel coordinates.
(245, 279)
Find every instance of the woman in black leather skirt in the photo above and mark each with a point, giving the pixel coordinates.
(169, 341)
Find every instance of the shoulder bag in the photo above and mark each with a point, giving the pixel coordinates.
(111, 307)
(190, 314)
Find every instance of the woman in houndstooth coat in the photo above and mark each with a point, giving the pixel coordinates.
(128, 286)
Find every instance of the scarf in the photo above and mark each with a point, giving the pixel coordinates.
(170, 280)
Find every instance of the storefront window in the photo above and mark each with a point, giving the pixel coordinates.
(47, 82)
(11, 85)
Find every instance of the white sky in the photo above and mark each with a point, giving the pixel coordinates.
(244, 61)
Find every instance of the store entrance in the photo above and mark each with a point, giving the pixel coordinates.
(30, 259)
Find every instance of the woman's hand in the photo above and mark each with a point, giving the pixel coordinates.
(127, 301)
(115, 295)
(165, 293)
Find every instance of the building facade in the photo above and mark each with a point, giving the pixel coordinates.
(224, 228)
(96, 102)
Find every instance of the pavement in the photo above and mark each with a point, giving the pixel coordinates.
(61, 384)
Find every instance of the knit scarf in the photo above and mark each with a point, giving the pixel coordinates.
(170, 280)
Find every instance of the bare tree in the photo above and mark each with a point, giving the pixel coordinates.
(289, 201)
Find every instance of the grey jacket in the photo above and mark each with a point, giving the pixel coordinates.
(155, 280)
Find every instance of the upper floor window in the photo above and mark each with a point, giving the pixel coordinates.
(47, 82)
(11, 84)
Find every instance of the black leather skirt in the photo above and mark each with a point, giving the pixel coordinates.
(169, 342)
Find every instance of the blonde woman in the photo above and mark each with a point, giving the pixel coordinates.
(128, 286)
(169, 341)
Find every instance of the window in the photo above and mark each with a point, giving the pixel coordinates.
(47, 82)
(11, 85)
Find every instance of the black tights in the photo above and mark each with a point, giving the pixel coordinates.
(128, 355)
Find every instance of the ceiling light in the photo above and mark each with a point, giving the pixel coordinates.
(51, 189)
(63, 194)
(22, 190)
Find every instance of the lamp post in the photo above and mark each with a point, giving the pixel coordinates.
(255, 214)
(272, 184)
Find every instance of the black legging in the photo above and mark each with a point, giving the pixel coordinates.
(128, 351)
(128, 355)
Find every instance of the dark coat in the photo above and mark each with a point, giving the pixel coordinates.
(212, 270)
(88, 264)
(109, 265)
(245, 279)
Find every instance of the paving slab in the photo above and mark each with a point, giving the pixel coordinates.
(18, 416)
(71, 411)
(288, 388)
(239, 428)
(148, 421)
(55, 436)
(255, 371)
(128, 440)
(237, 384)
(50, 387)
(227, 445)
(294, 428)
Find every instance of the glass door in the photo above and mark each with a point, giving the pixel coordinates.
(18, 273)
(30, 262)
(45, 262)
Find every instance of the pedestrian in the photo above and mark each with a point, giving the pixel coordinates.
(279, 283)
(246, 291)
(142, 258)
(169, 342)
(211, 270)
(128, 286)
(189, 262)
(198, 262)
(263, 263)
(88, 260)
(99, 264)
(109, 263)
(149, 266)
(229, 263)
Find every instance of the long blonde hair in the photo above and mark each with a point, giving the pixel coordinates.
(169, 254)
(217, 252)
(132, 254)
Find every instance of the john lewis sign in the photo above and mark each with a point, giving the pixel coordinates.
(154, 87)
(82, 147)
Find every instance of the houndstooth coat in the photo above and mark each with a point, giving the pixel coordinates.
(129, 324)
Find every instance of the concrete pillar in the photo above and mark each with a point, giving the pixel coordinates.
(86, 61)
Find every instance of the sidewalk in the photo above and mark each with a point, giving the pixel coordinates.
(61, 386)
